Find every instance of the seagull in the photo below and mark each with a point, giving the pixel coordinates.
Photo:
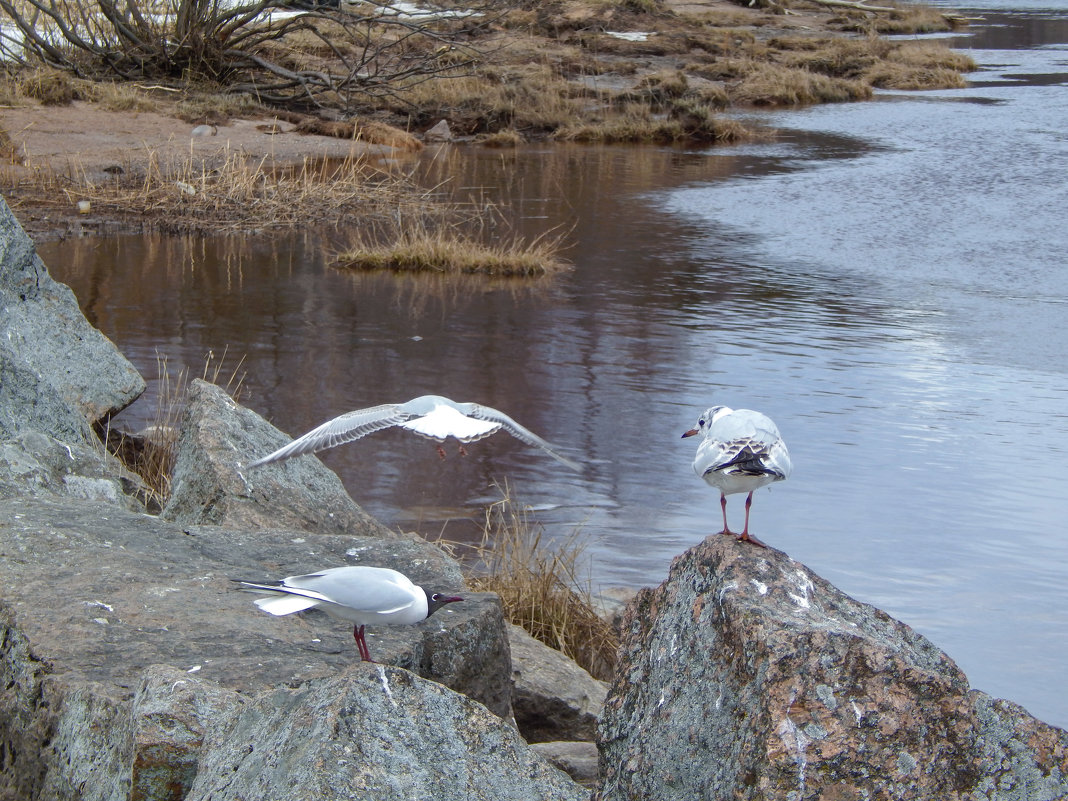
(361, 595)
(430, 416)
(742, 451)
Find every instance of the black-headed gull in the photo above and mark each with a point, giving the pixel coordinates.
(741, 451)
(364, 596)
(430, 416)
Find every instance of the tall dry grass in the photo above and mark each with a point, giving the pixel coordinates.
(228, 191)
(151, 452)
(542, 585)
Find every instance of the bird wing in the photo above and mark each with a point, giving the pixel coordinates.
(366, 589)
(519, 432)
(745, 439)
(346, 428)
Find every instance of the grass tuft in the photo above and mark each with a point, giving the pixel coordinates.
(541, 586)
(150, 453)
(419, 247)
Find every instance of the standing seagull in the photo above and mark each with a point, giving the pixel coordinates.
(430, 416)
(742, 451)
(364, 596)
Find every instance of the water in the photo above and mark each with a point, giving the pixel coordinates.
(887, 281)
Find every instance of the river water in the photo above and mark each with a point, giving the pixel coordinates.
(887, 280)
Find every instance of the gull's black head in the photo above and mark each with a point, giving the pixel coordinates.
(435, 600)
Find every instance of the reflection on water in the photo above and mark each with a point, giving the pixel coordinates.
(887, 287)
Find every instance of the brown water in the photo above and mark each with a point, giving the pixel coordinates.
(887, 281)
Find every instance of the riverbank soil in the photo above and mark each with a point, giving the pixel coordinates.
(85, 156)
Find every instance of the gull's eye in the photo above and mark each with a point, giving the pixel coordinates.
(700, 422)
(436, 596)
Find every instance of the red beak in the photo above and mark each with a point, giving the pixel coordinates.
(691, 432)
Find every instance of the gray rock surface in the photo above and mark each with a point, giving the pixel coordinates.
(103, 594)
(51, 356)
(373, 732)
(210, 484)
(552, 698)
(35, 463)
(578, 759)
(747, 676)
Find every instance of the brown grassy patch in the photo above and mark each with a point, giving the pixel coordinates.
(206, 107)
(684, 122)
(507, 137)
(541, 586)
(8, 149)
(233, 192)
(50, 87)
(877, 62)
(369, 131)
(911, 18)
(774, 85)
(423, 247)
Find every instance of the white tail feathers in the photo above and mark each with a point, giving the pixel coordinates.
(285, 604)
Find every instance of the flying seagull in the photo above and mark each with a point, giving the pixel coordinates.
(364, 596)
(741, 451)
(430, 416)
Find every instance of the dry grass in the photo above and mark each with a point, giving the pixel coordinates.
(422, 246)
(774, 85)
(542, 587)
(877, 62)
(686, 122)
(151, 453)
(910, 18)
(232, 191)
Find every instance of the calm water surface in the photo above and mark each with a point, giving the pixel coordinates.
(887, 281)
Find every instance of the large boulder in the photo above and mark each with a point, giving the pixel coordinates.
(552, 697)
(373, 732)
(211, 485)
(36, 464)
(96, 594)
(54, 366)
(747, 676)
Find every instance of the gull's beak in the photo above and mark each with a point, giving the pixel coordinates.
(690, 433)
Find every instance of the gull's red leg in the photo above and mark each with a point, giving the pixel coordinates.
(361, 643)
(723, 506)
(745, 536)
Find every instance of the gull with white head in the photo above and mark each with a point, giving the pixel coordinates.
(431, 416)
(361, 595)
(741, 451)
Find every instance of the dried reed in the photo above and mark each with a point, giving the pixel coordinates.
(151, 453)
(541, 585)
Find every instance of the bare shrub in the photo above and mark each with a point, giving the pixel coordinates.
(321, 56)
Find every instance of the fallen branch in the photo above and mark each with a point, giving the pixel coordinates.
(858, 5)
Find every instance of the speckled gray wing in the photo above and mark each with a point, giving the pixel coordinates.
(519, 432)
(346, 428)
(747, 441)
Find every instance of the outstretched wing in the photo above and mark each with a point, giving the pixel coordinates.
(346, 428)
(519, 432)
